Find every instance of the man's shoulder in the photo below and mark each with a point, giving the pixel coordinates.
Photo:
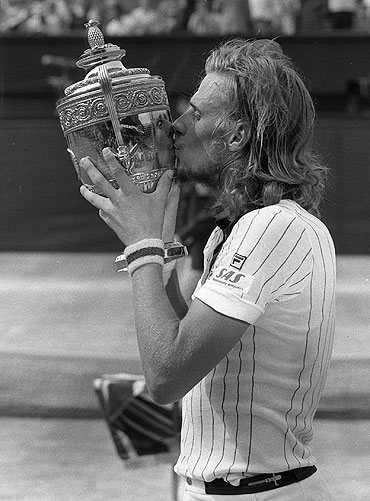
(281, 224)
(285, 221)
(273, 215)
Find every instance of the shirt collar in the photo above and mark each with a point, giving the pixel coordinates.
(226, 226)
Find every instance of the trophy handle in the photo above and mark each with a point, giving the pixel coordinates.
(106, 87)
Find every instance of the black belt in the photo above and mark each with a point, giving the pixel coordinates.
(259, 483)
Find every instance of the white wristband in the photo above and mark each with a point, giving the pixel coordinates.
(146, 251)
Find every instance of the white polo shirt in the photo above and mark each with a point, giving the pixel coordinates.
(253, 412)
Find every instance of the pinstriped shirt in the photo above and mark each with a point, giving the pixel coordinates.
(253, 412)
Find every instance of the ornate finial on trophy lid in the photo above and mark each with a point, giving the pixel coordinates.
(99, 52)
(94, 35)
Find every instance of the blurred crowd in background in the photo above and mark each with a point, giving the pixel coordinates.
(192, 17)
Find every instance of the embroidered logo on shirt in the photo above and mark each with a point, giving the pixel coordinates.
(238, 261)
(231, 278)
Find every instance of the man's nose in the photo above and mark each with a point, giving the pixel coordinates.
(168, 127)
(178, 126)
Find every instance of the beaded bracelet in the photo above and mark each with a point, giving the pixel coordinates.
(146, 251)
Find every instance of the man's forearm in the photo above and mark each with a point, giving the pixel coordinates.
(157, 325)
(176, 354)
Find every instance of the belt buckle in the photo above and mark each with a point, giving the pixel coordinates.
(274, 479)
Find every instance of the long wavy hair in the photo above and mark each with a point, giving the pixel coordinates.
(270, 99)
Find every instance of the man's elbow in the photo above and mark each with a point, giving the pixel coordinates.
(163, 393)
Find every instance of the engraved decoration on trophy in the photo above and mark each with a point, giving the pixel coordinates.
(125, 109)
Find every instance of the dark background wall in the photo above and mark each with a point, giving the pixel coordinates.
(41, 208)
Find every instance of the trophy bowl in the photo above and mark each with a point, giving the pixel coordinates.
(124, 109)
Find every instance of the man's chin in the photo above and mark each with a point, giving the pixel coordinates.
(188, 177)
(184, 175)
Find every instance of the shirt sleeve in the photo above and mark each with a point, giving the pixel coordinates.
(267, 258)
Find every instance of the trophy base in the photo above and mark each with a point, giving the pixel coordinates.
(147, 181)
(172, 251)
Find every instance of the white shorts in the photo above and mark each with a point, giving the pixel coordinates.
(313, 488)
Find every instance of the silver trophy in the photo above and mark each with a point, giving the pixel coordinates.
(125, 109)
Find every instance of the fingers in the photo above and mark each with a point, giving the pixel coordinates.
(104, 216)
(165, 185)
(114, 165)
(95, 200)
(166, 194)
(118, 172)
(97, 178)
(172, 201)
(175, 188)
(173, 198)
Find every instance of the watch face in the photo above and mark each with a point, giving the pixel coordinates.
(120, 263)
(174, 250)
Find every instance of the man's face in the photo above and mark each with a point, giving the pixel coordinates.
(200, 147)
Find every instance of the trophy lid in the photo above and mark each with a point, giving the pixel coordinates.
(101, 53)
(109, 91)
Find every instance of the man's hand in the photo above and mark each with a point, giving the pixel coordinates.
(130, 213)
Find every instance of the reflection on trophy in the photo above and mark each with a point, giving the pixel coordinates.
(124, 109)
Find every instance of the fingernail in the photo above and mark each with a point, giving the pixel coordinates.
(170, 174)
(107, 152)
(84, 162)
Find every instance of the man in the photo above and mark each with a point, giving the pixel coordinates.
(250, 356)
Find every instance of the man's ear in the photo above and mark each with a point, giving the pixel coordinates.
(239, 137)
